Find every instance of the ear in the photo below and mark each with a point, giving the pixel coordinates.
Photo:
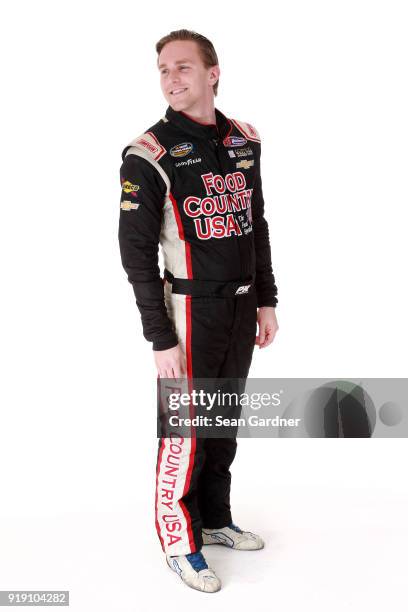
(214, 74)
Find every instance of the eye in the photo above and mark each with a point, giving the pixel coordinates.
(164, 71)
(184, 67)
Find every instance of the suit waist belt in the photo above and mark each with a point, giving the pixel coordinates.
(200, 288)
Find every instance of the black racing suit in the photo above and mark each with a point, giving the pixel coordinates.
(196, 190)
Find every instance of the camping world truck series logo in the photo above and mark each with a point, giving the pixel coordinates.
(181, 150)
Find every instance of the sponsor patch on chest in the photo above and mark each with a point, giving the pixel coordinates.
(234, 141)
(188, 162)
(246, 152)
(180, 150)
(245, 163)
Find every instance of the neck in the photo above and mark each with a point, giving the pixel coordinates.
(201, 112)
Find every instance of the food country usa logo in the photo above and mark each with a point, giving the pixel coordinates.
(226, 209)
(169, 512)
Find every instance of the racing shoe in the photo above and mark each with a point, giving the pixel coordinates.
(233, 537)
(194, 571)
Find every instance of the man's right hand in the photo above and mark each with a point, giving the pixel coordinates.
(170, 363)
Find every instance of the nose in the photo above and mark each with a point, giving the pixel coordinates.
(174, 80)
(174, 76)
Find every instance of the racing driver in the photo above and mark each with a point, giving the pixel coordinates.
(192, 184)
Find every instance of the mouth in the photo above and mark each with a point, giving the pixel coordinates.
(178, 91)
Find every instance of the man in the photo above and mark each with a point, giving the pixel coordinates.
(192, 183)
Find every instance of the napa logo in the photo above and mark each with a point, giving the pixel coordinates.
(234, 141)
(181, 150)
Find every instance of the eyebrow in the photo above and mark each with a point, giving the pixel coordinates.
(183, 61)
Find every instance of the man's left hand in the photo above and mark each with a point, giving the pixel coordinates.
(267, 326)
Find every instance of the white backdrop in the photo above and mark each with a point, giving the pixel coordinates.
(325, 84)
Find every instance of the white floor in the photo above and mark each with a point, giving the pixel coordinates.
(327, 548)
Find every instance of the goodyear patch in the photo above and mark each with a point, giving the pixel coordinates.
(129, 187)
(188, 162)
(245, 163)
(128, 205)
(234, 141)
(181, 150)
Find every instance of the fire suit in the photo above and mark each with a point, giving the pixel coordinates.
(196, 190)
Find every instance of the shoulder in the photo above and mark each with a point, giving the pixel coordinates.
(246, 129)
(141, 156)
(149, 144)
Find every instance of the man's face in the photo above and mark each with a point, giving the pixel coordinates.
(184, 80)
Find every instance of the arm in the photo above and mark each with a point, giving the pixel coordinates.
(265, 281)
(143, 193)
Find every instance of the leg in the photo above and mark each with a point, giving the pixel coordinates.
(180, 461)
(214, 482)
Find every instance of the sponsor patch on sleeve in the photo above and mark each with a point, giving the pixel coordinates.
(247, 130)
(129, 195)
(150, 143)
(128, 205)
(129, 187)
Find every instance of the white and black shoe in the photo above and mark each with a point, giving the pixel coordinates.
(194, 572)
(233, 537)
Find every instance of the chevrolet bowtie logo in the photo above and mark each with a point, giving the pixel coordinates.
(245, 163)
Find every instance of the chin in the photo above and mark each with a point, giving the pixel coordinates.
(181, 105)
(178, 105)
